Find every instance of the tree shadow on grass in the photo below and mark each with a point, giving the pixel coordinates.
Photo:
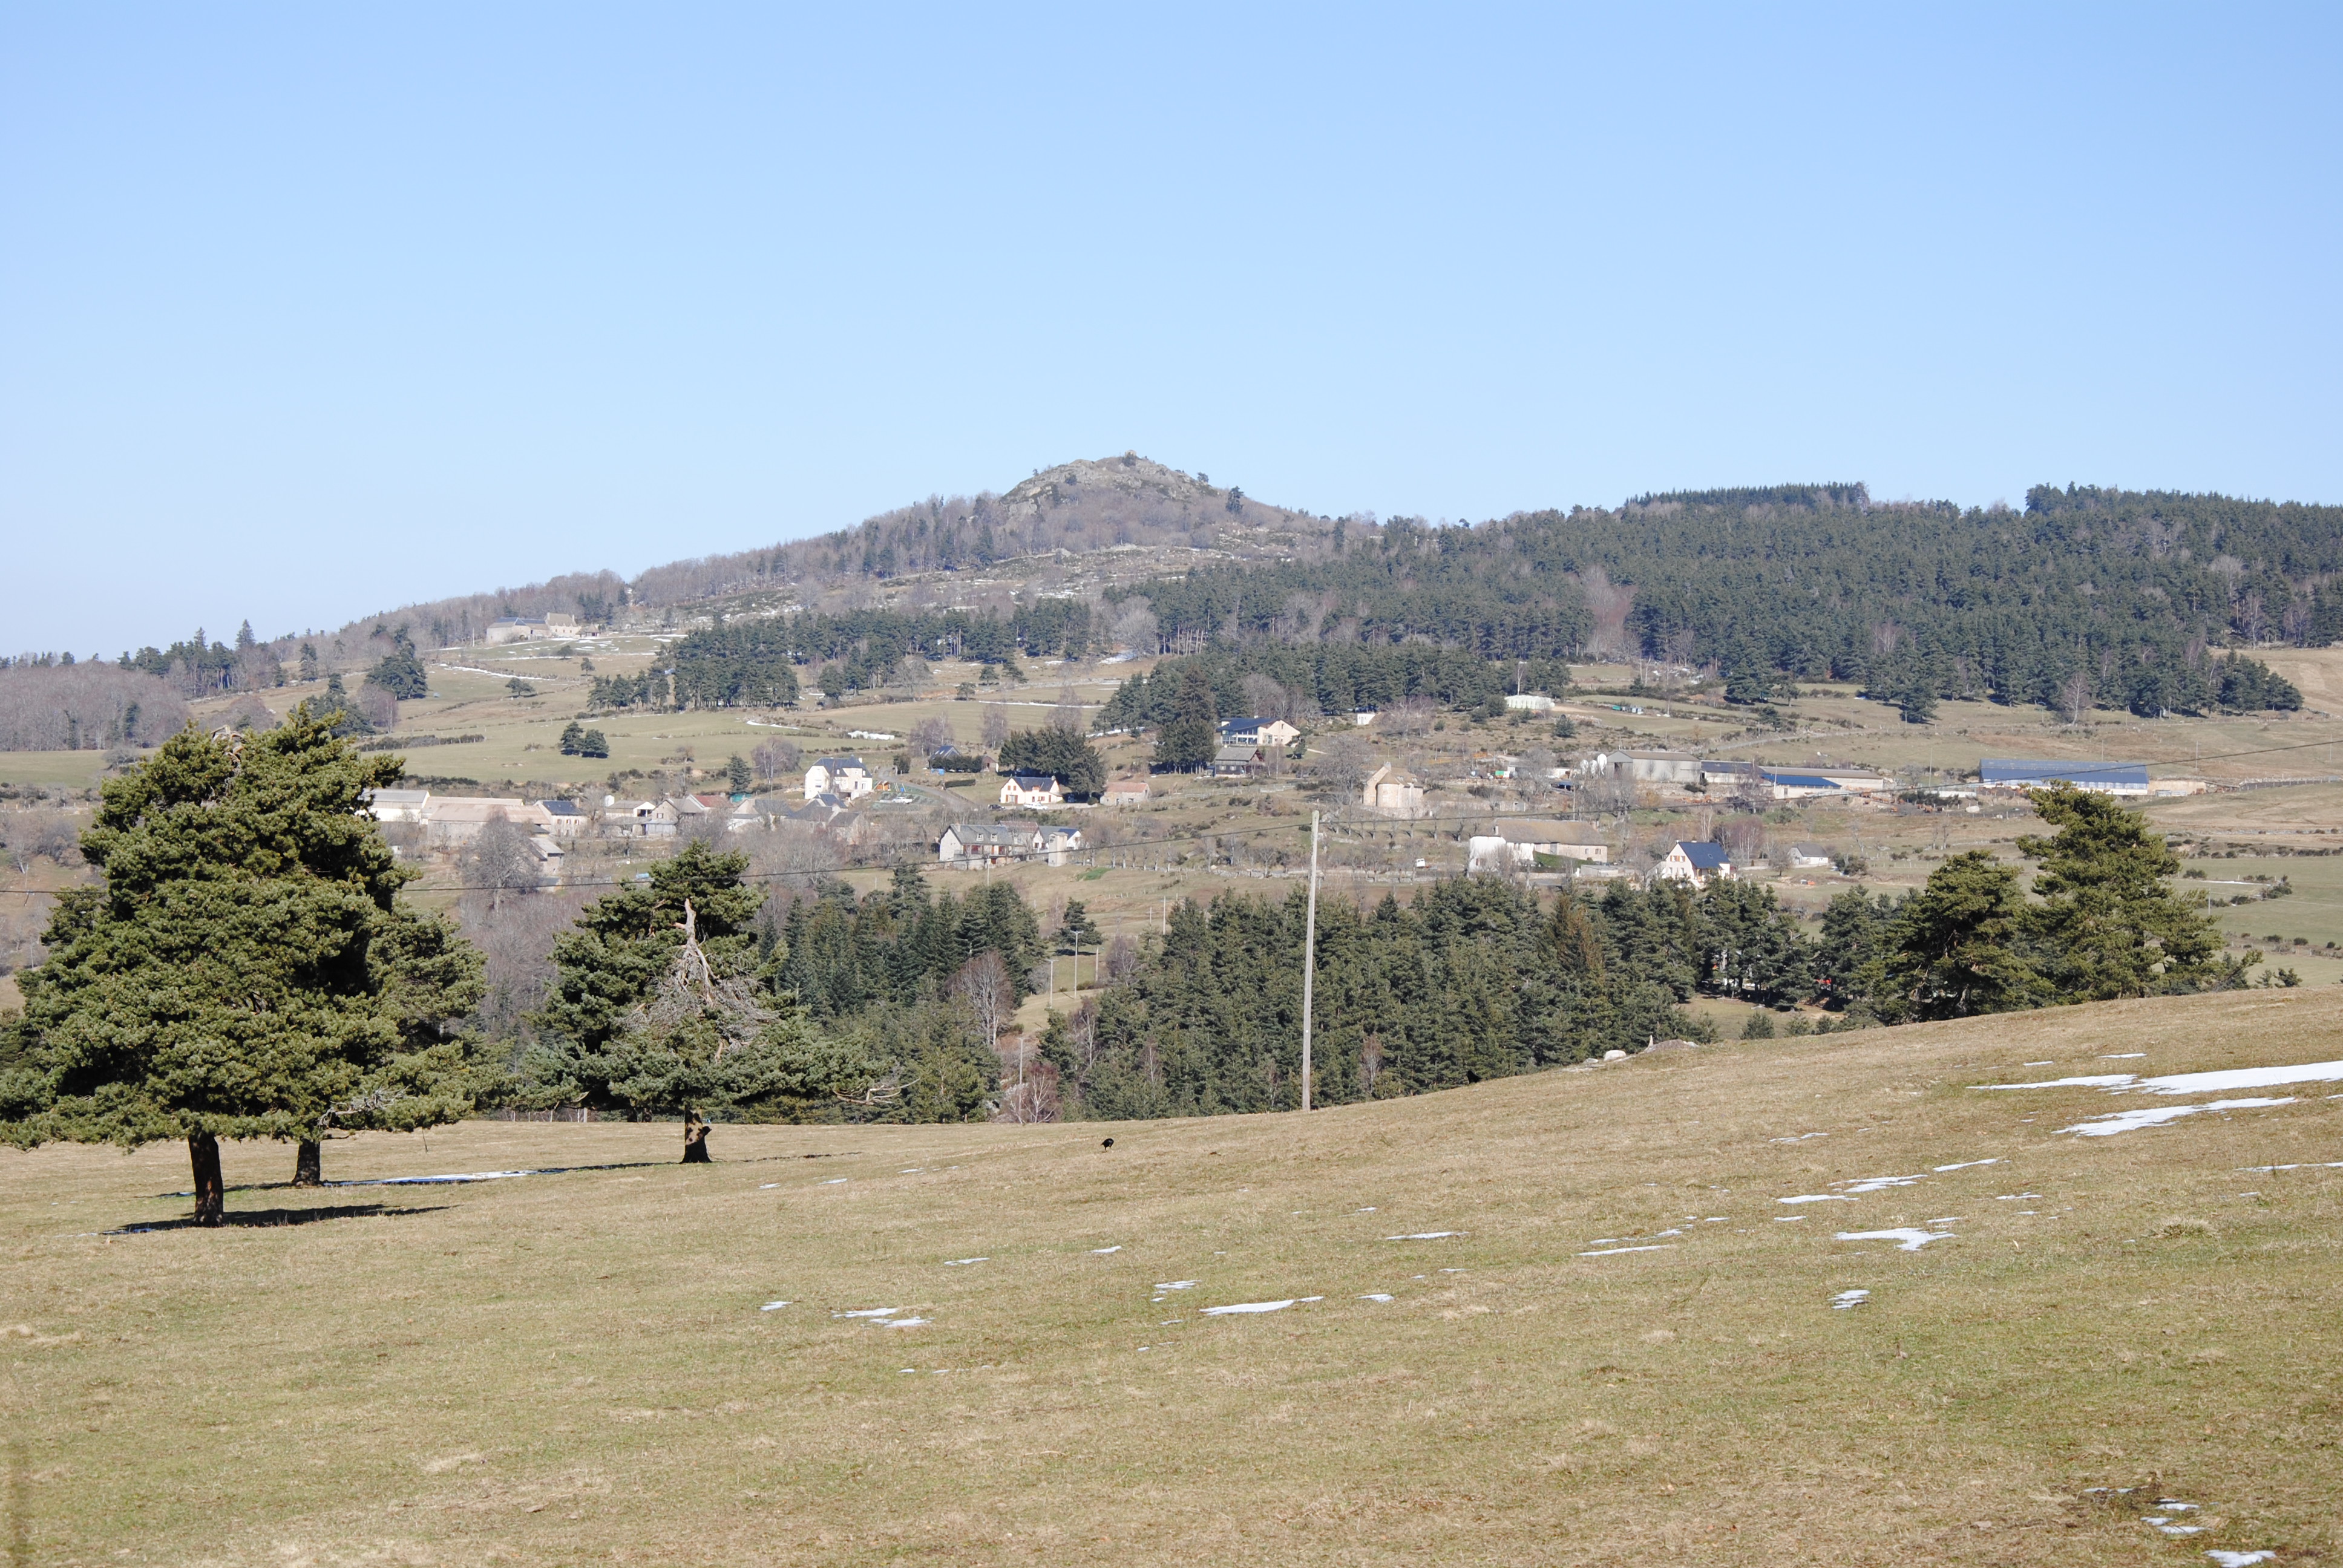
(263, 1218)
(465, 1178)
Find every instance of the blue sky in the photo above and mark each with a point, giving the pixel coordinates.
(308, 311)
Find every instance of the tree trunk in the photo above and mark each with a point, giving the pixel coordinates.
(211, 1191)
(309, 1164)
(695, 1140)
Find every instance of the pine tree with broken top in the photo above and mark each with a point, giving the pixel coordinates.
(662, 1002)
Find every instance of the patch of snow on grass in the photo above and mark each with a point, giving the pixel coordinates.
(773, 1306)
(963, 1263)
(2239, 1559)
(1801, 1138)
(2126, 1120)
(2122, 1055)
(1969, 1164)
(831, 1182)
(2244, 1077)
(436, 1181)
(1256, 1306)
(1907, 1239)
(1376, 1296)
(1846, 1298)
(870, 1313)
(1817, 1198)
(2264, 1170)
(1614, 1251)
(1177, 1285)
(2095, 1080)
(1102, 1251)
(1427, 1236)
(906, 1323)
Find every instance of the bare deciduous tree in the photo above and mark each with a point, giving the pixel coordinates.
(928, 737)
(42, 834)
(983, 982)
(1408, 716)
(1606, 793)
(516, 937)
(1340, 765)
(1744, 838)
(1265, 699)
(376, 705)
(2074, 697)
(996, 726)
(498, 860)
(1121, 958)
(1135, 626)
(1068, 714)
(774, 761)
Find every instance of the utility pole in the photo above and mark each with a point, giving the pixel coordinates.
(1309, 960)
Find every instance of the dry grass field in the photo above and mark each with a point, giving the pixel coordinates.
(1626, 1350)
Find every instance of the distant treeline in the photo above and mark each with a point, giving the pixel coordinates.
(1474, 980)
(748, 663)
(85, 707)
(1463, 984)
(2087, 596)
(1338, 678)
(842, 953)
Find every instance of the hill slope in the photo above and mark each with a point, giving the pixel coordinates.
(1627, 1348)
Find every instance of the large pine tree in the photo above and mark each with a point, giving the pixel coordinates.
(245, 971)
(2109, 925)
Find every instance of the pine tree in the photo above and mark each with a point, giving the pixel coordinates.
(2108, 925)
(1078, 767)
(245, 971)
(401, 673)
(738, 774)
(1957, 946)
(662, 1000)
(1191, 735)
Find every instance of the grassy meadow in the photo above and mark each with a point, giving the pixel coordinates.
(1627, 1349)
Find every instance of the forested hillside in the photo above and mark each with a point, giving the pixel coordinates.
(2087, 596)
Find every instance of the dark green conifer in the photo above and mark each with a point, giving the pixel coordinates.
(245, 971)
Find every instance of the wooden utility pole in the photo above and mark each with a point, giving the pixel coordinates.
(1309, 960)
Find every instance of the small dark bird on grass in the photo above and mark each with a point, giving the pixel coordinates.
(1108, 1143)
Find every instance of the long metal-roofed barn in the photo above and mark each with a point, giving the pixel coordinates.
(2102, 777)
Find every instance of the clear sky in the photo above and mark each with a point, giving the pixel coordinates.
(307, 311)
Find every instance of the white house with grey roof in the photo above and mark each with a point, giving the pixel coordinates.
(844, 777)
(972, 846)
